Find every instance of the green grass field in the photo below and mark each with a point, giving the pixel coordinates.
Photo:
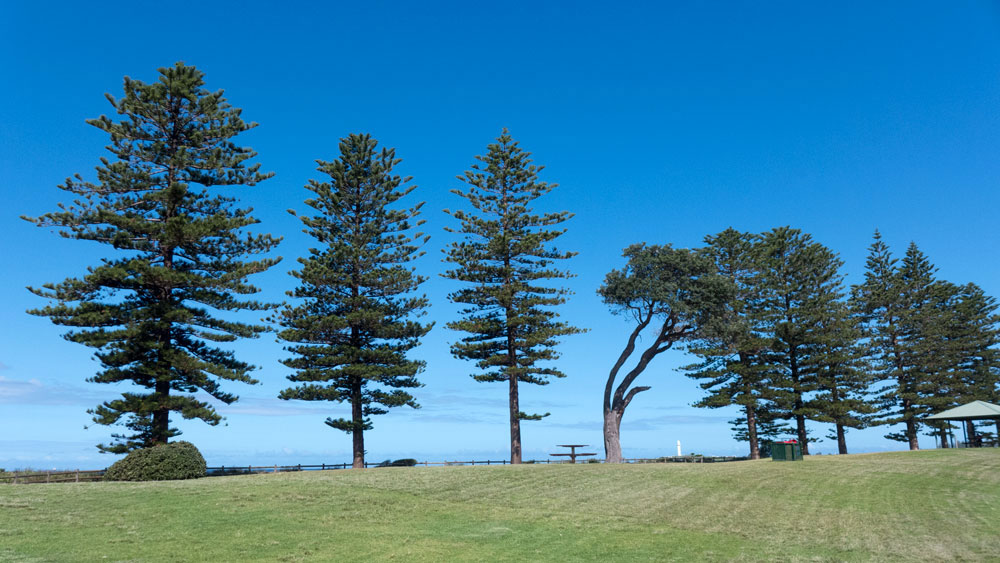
(928, 505)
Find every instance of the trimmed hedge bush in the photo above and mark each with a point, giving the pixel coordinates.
(177, 460)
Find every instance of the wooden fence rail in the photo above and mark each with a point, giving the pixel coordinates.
(77, 476)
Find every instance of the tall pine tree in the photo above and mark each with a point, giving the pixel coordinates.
(731, 344)
(897, 303)
(507, 261)
(842, 378)
(961, 358)
(150, 308)
(801, 281)
(355, 319)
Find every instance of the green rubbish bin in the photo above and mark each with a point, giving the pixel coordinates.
(789, 450)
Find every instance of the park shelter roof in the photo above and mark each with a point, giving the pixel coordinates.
(970, 411)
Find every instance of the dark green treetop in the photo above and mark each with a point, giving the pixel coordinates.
(150, 310)
(355, 318)
(507, 261)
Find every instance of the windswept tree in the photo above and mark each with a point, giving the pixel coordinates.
(730, 345)
(669, 293)
(150, 309)
(355, 315)
(507, 261)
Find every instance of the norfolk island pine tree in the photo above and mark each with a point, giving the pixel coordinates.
(801, 282)
(355, 314)
(149, 311)
(504, 258)
(731, 344)
(895, 303)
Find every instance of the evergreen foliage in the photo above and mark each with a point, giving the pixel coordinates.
(150, 308)
(163, 462)
(842, 377)
(933, 345)
(506, 260)
(801, 286)
(962, 363)
(355, 317)
(731, 346)
(896, 303)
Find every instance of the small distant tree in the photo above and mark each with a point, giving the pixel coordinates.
(177, 256)
(507, 261)
(355, 317)
(671, 291)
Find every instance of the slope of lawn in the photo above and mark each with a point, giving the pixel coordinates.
(928, 505)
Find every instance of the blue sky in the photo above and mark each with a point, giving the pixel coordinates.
(660, 123)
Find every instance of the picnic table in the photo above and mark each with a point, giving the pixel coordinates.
(573, 454)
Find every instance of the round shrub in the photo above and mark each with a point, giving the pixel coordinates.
(177, 460)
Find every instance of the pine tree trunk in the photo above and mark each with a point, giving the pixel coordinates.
(161, 415)
(911, 434)
(612, 440)
(800, 420)
(358, 432)
(970, 428)
(944, 436)
(841, 440)
(515, 421)
(752, 432)
(800, 424)
(515, 407)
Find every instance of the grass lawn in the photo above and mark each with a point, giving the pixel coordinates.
(927, 505)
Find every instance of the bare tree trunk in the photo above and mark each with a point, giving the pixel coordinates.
(943, 435)
(617, 399)
(358, 418)
(161, 415)
(911, 434)
(752, 432)
(515, 421)
(841, 440)
(800, 424)
(612, 437)
(970, 428)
